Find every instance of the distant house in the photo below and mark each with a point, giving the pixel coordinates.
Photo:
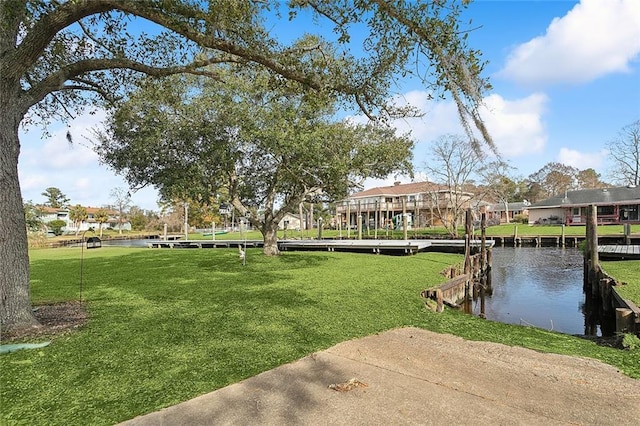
(290, 221)
(499, 214)
(49, 214)
(613, 205)
(382, 206)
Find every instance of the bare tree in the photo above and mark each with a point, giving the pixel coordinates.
(499, 184)
(453, 163)
(554, 179)
(589, 179)
(122, 201)
(624, 152)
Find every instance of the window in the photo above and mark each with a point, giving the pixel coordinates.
(605, 210)
(629, 213)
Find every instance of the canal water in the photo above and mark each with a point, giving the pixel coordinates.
(538, 286)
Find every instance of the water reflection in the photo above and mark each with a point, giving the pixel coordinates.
(539, 286)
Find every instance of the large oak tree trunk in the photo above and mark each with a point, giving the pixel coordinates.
(15, 298)
(270, 234)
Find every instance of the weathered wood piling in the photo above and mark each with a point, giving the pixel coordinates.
(474, 279)
(599, 288)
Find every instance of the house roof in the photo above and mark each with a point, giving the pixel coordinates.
(585, 197)
(90, 210)
(398, 190)
(520, 205)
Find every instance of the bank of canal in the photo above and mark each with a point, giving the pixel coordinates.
(539, 286)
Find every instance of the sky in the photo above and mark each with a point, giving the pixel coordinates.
(565, 77)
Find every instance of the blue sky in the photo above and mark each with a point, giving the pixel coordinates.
(565, 76)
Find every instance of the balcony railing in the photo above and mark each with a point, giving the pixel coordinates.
(395, 206)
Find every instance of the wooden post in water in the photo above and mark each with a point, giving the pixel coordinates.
(484, 271)
(562, 241)
(592, 249)
(515, 235)
(467, 252)
(483, 242)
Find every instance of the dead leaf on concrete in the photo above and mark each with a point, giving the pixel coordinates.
(348, 385)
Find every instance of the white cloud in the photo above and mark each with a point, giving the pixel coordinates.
(516, 126)
(33, 182)
(72, 167)
(595, 38)
(582, 160)
(56, 152)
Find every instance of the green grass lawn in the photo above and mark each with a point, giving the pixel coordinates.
(168, 325)
(627, 272)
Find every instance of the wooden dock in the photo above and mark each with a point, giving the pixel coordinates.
(561, 241)
(204, 243)
(368, 246)
(397, 247)
(619, 252)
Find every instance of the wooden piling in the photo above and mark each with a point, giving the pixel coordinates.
(483, 242)
(348, 220)
(592, 248)
(359, 220)
(624, 320)
(439, 300)
(404, 217)
(467, 251)
(376, 220)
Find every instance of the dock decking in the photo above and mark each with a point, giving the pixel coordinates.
(371, 246)
(204, 243)
(619, 252)
(366, 246)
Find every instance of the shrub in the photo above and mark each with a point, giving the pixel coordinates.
(521, 218)
(56, 226)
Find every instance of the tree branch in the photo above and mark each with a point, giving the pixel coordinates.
(18, 61)
(56, 81)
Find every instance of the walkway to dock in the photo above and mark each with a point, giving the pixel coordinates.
(367, 246)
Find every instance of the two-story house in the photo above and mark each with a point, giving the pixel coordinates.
(424, 203)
